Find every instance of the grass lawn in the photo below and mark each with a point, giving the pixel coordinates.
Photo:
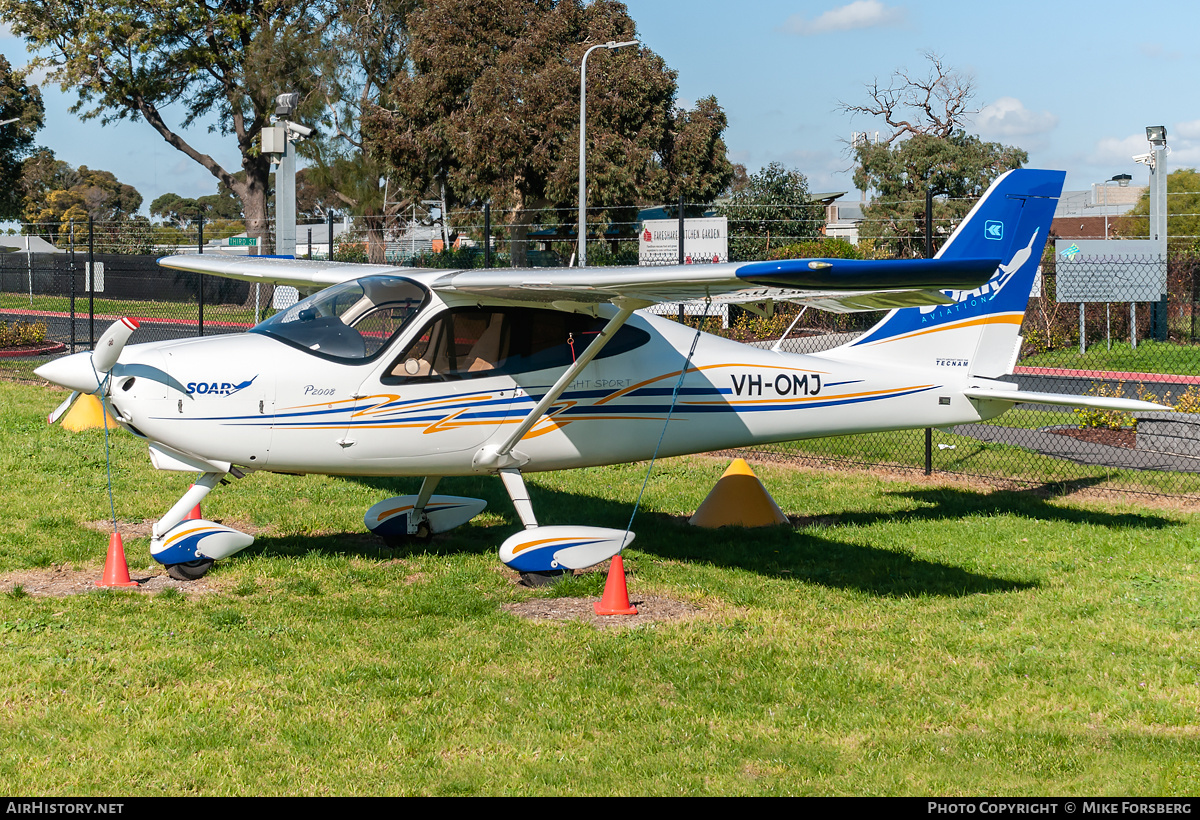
(1149, 357)
(907, 637)
(967, 456)
(236, 314)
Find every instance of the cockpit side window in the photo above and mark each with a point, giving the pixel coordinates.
(472, 342)
(350, 322)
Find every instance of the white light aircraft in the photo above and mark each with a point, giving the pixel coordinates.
(394, 371)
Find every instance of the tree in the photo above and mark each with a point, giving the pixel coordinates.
(24, 103)
(364, 66)
(54, 194)
(490, 112)
(958, 169)
(1183, 211)
(129, 59)
(772, 208)
(184, 211)
(927, 149)
(934, 105)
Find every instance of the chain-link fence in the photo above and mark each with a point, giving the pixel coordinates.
(1140, 349)
(1137, 350)
(77, 297)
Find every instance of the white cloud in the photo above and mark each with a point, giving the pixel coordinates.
(1185, 130)
(856, 15)
(1119, 150)
(1008, 117)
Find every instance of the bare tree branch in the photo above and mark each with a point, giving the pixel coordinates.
(937, 104)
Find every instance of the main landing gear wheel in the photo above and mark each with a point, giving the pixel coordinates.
(191, 571)
(423, 535)
(542, 579)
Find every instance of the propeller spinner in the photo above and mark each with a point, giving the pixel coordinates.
(85, 372)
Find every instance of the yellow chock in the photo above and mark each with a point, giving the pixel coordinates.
(738, 500)
(87, 412)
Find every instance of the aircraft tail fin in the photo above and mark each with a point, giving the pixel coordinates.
(981, 330)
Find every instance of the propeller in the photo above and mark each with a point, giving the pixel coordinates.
(62, 408)
(111, 342)
(85, 373)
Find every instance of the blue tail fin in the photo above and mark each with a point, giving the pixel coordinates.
(980, 331)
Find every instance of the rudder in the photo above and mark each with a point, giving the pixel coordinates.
(980, 331)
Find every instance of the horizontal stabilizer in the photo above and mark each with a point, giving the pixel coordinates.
(1063, 399)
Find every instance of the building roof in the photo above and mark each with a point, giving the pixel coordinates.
(31, 244)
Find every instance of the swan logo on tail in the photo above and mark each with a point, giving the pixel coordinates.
(1000, 278)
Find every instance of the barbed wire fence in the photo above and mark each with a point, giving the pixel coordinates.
(90, 278)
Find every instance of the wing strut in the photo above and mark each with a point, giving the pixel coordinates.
(495, 458)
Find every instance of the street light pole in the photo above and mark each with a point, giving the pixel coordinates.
(1122, 181)
(581, 254)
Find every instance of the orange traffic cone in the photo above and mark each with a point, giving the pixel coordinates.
(195, 513)
(616, 597)
(116, 571)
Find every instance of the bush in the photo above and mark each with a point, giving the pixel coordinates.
(1105, 419)
(824, 248)
(1188, 402)
(350, 252)
(22, 333)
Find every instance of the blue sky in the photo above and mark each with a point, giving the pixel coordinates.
(1073, 83)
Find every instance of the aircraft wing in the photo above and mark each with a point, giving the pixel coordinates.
(839, 285)
(276, 270)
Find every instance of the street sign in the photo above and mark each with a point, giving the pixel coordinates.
(704, 241)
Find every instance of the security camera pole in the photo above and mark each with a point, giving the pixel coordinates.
(277, 141)
(1156, 135)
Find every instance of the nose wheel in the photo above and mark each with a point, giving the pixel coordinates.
(191, 571)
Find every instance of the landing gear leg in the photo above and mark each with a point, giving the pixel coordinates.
(195, 494)
(418, 522)
(515, 485)
(189, 549)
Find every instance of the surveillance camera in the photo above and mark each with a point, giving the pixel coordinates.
(298, 130)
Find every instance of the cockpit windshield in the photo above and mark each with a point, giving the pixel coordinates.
(352, 321)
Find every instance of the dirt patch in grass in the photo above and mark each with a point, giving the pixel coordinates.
(1125, 437)
(651, 609)
(60, 581)
(144, 529)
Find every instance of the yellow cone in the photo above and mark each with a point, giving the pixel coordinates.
(87, 412)
(738, 500)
